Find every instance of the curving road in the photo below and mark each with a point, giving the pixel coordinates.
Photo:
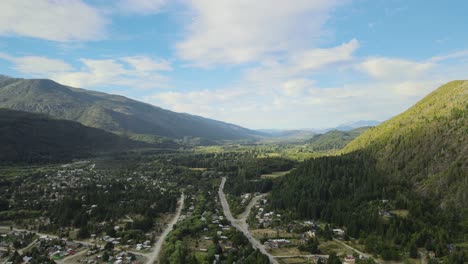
(240, 224)
(154, 255)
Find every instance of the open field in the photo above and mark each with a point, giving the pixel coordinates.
(328, 247)
(271, 233)
(286, 251)
(275, 174)
(401, 213)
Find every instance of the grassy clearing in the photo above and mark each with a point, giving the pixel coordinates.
(293, 261)
(275, 174)
(400, 212)
(198, 169)
(286, 251)
(272, 233)
(328, 247)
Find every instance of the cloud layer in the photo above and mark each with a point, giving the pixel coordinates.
(59, 20)
(136, 72)
(226, 31)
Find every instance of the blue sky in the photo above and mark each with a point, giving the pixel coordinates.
(260, 64)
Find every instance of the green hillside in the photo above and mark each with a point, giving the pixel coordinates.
(427, 144)
(399, 186)
(27, 137)
(111, 112)
(335, 139)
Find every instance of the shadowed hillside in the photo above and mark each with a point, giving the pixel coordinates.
(27, 137)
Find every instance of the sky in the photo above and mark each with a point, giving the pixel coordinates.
(284, 64)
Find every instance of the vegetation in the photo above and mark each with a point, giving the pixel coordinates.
(30, 138)
(111, 112)
(335, 139)
(423, 149)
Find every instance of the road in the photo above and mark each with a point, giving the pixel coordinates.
(154, 255)
(77, 255)
(244, 215)
(356, 250)
(240, 224)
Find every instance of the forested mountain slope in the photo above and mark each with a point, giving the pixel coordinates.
(335, 139)
(111, 112)
(28, 137)
(427, 144)
(398, 186)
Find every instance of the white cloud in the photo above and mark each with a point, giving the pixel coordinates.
(317, 58)
(132, 72)
(239, 31)
(296, 87)
(314, 107)
(302, 65)
(463, 54)
(385, 68)
(56, 20)
(283, 95)
(142, 7)
(37, 65)
(141, 63)
(136, 72)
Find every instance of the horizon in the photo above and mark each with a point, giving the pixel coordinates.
(317, 64)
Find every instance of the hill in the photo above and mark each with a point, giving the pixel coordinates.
(335, 139)
(286, 136)
(28, 137)
(111, 112)
(357, 124)
(428, 143)
(399, 186)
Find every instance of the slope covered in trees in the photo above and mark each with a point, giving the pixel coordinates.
(335, 139)
(426, 145)
(31, 137)
(111, 112)
(370, 188)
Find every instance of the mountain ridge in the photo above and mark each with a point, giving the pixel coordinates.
(113, 113)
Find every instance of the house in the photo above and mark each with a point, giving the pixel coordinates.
(309, 234)
(338, 232)
(276, 243)
(349, 259)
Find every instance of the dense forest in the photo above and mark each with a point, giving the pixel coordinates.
(349, 191)
(400, 186)
(32, 138)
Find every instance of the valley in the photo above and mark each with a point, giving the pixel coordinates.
(328, 199)
(233, 132)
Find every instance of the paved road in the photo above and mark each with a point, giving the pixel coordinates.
(241, 225)
(244, 215)
(154, 255)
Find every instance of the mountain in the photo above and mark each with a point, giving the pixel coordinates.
(428, 143)
(335, 139)
(357, 124)
(29, 137)
(286, 136)
(111, 112)
(402, 184)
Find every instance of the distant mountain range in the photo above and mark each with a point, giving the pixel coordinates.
(357, 124)
(29, 137)
(112, 113)
(313, 131)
